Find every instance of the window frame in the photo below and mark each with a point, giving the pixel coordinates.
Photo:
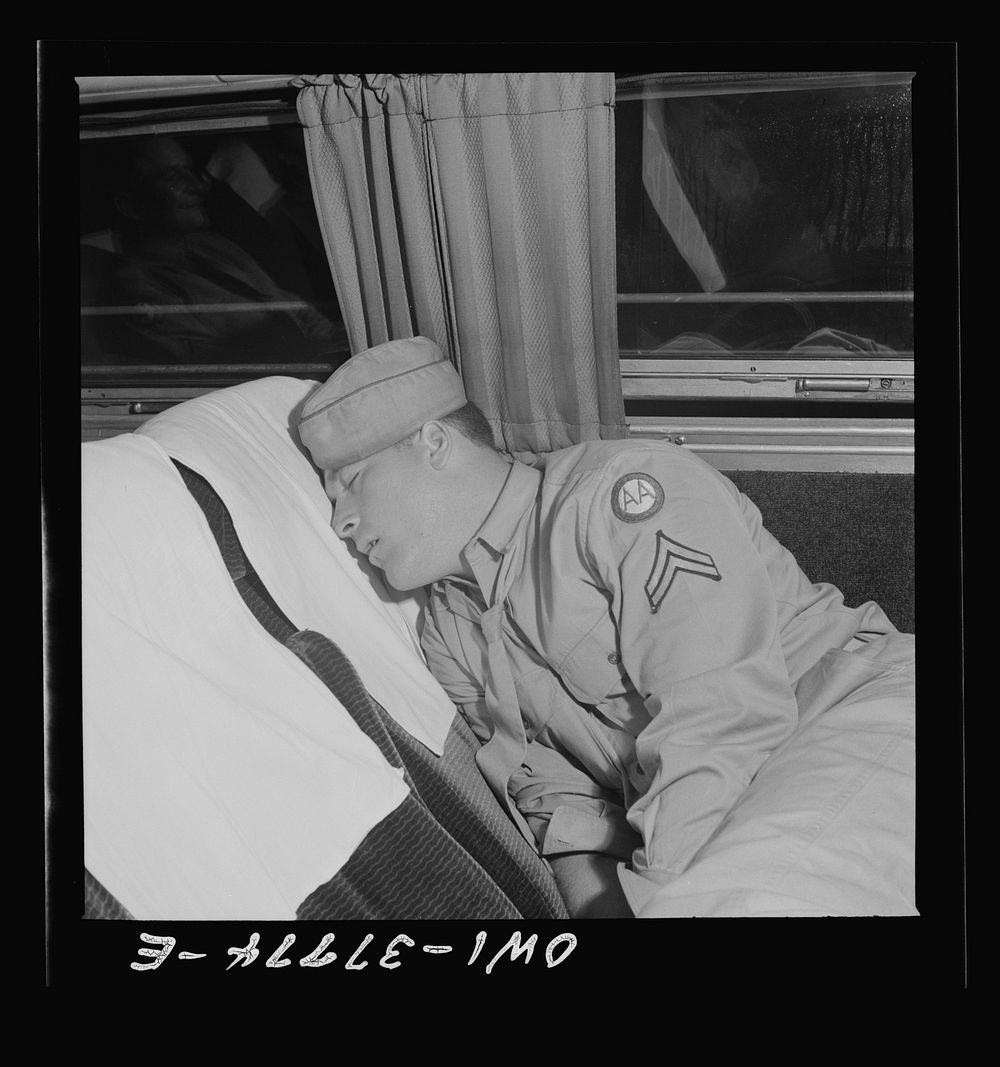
(876, 393)
(118, 398)
(649, 375)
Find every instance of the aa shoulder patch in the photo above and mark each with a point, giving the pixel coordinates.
(672, 557)
(636, 497)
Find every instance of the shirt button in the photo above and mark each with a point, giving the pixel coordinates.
(613, 657)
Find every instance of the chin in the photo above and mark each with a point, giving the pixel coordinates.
(408, 581)
(403, 584)
(392, 577)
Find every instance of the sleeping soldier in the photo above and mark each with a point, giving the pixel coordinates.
(624, 637)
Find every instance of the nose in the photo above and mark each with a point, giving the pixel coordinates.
(345, 520)
(345, 516)
(345, 524)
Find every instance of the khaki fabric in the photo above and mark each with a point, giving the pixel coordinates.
(654, 634)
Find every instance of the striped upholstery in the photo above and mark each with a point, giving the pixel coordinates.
(453, 792)
(408, 868)
(99, 903)
(448, 851)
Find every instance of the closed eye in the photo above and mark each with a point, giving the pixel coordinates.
(334, 494)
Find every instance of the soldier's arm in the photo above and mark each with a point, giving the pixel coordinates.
(700, 641)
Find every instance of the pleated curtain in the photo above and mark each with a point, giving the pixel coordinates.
(478, 210)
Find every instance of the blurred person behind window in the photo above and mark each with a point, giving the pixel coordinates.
(176, 258)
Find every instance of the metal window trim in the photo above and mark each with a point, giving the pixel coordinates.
(778, 297)
(728, 83)
(777, 426)
(877, 380)
(127, 88)
(750, 368)
(203, 124)
(786, 444)
(122, 384)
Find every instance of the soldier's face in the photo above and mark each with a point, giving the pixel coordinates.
(391, 507)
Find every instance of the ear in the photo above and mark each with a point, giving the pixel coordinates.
(436, 440)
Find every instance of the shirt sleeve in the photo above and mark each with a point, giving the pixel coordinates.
(699, 639)
(564, 808)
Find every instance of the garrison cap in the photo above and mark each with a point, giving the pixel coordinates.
(377, 398)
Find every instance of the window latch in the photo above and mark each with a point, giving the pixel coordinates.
(832, 385)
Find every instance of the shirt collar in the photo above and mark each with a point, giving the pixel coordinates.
(516, 496)
(485, 552)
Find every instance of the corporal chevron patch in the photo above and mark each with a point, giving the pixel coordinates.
(671, 558)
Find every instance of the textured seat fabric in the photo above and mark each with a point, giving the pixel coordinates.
(99, 903)
(446, 852)
(852, 530)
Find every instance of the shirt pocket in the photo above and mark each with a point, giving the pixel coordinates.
(593, 672)
(592, 669)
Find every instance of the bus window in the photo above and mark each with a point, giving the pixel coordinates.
(202, 250)
(765, 237)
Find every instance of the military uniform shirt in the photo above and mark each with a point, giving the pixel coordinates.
(654, 633)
